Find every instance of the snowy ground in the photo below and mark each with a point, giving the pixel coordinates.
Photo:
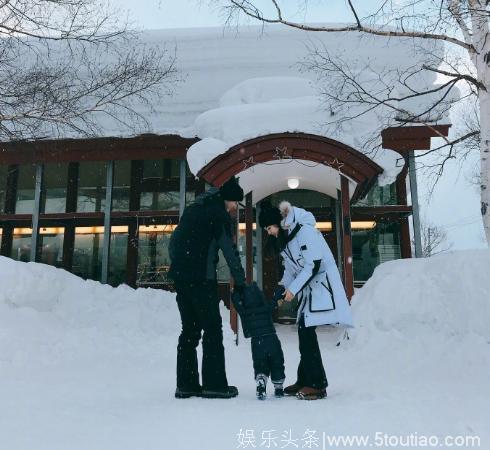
(85, 366)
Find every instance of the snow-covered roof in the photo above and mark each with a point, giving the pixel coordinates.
(248, 82)
(241, 83)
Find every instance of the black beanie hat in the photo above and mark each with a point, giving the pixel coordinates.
(269, 215)
(231, 190)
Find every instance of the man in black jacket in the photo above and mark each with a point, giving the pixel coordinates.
(204, 229)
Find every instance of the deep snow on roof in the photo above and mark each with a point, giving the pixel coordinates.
(214, 60)
(246, 82)
(241, 83)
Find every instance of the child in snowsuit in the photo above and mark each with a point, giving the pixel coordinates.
(256, 316)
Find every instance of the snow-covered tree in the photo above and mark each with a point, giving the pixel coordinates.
(461, 25)
(65, 65)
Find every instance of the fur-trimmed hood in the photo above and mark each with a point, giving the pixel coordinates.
(294, 216)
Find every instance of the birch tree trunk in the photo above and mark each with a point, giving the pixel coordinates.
(484, 97)
(481, 60)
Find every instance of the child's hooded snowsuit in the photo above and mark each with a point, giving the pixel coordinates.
(256, 317)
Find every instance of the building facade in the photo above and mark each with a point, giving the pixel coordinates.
(104, 208)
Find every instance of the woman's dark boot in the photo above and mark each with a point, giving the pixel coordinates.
(309, 393)
(292, 389)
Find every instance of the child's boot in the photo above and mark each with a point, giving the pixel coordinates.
(278, 389)
(261, 381)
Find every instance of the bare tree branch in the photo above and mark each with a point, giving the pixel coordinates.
(250, 10)
(65, 64)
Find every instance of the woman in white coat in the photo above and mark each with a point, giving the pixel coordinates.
(310, 273)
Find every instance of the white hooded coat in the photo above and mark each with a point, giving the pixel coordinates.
(321, 295)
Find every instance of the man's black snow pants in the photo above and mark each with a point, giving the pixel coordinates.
(199, 310)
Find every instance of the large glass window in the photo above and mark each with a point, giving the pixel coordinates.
(153, 257)
(87, 254)
(21, 244)
(121, 186)
(51, 245)
(26, 185)
(54, 188)
(164, 201)
(91, 186)
(373, 243)
(3, 187)
(160, 186)
(161, 168)
(118, 255)
(379, 196)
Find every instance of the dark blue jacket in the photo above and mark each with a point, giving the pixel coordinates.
(254, 310)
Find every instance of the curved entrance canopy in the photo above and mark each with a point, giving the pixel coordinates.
(265, 165)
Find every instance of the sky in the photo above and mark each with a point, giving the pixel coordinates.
(156, 14)
(454, 204)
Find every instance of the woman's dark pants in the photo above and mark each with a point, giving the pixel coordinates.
(199, 311)
(310, 370)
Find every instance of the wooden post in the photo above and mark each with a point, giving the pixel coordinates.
(345, 224)
(249, 238)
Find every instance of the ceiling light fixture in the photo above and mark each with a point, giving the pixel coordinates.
(293, 183)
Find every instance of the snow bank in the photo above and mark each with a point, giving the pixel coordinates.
(445, 297)
(47, 292)
(88, 367)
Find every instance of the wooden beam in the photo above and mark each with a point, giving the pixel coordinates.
(321, 150)
(415, 132)
(405, 139)
(95, 149)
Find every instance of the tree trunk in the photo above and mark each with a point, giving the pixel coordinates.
(480, 57)
(484, 97)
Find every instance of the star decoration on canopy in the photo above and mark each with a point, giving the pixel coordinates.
(282, 153)
(335, 163)
(248, 163)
